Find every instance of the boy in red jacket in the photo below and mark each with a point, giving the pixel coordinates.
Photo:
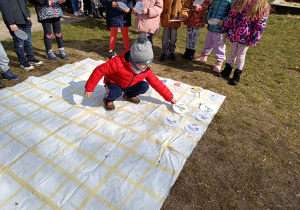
(126, 73)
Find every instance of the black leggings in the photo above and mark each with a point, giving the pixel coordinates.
(55, 22)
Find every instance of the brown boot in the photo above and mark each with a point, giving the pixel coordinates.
(108, 105)
(134, 100)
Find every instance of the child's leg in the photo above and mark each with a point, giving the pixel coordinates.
(173, 40)
(165, 39)
(194, 38)
(137, 89)
(47, 34)
(233, 53)
(208, 46)
(219, 48)
(189, 32)
(124, 32)
(113, 91)
(113, 37)
(57, 32)
(241, 55)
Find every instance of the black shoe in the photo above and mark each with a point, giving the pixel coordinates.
(226, 72)
(108, 105)
(26, 66)
(191, 55)
(172, 56)
(163, 57)
(36, 62)
(112, 54)
(186, 53)
(134, 100)
(236, 77)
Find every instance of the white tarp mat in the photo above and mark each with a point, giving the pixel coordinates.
(59, 149)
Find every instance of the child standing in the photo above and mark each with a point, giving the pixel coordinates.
(174, 13)
(116, 17)
(244, 27)
(148, 22)
(194, 22)
(218, 9)
(49, 13)
(130, 73)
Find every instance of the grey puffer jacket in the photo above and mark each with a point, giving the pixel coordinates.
(45, 11)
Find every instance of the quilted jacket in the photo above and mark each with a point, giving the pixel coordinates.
(197, 17)
(244, 30)
(115, 17)
(118, 70)
(218, 9)
(174, 9)
(149, 23)
(45, 11)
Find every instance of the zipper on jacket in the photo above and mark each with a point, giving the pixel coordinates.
(131, 80)
(217, 9)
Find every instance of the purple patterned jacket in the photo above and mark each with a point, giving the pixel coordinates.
(243, 30)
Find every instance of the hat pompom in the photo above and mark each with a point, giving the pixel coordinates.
(142, 38)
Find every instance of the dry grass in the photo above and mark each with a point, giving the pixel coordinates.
(249, 156)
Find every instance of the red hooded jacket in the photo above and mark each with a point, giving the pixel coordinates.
(118, 70)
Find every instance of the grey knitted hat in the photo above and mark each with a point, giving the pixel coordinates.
(141, 51)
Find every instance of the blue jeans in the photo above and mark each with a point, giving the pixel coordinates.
(23, 46)
(114, 91)
(75, 5)
(4, 61)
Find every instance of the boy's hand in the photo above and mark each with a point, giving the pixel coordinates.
(87, 94)
(13, 27)
(173, 101)
(134, 10)
(114, 4)
(220, 23)
(126, 11)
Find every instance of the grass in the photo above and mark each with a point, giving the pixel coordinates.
(249, 157)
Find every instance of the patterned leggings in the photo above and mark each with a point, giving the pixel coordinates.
(192, 37)
(237, 53)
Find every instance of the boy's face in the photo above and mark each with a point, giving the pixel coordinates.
(142, 67)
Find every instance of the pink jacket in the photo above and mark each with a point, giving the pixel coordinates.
(149, 23)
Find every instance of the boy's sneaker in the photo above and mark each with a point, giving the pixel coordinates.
(134, 100)
(63, 54)
(9, 75)
(108, 105)
(218, 67)
(202, 57)
(163, 57)
(172, 56)
(51, 56)
(26, 66)
(36, 62)
(112, 54)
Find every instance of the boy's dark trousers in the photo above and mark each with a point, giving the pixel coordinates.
(114, 91)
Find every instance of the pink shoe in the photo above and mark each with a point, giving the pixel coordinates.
(202, 57)
(218, 67)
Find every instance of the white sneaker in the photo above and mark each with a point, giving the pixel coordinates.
(79, 13)
(76, 13)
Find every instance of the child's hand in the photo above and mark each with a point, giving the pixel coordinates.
(87, 94)
(220, 23)
(134, 10)
(127, 11)
(173, 101)
(114, 4)
(50, 2)
(145, 11)
(13, 27)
